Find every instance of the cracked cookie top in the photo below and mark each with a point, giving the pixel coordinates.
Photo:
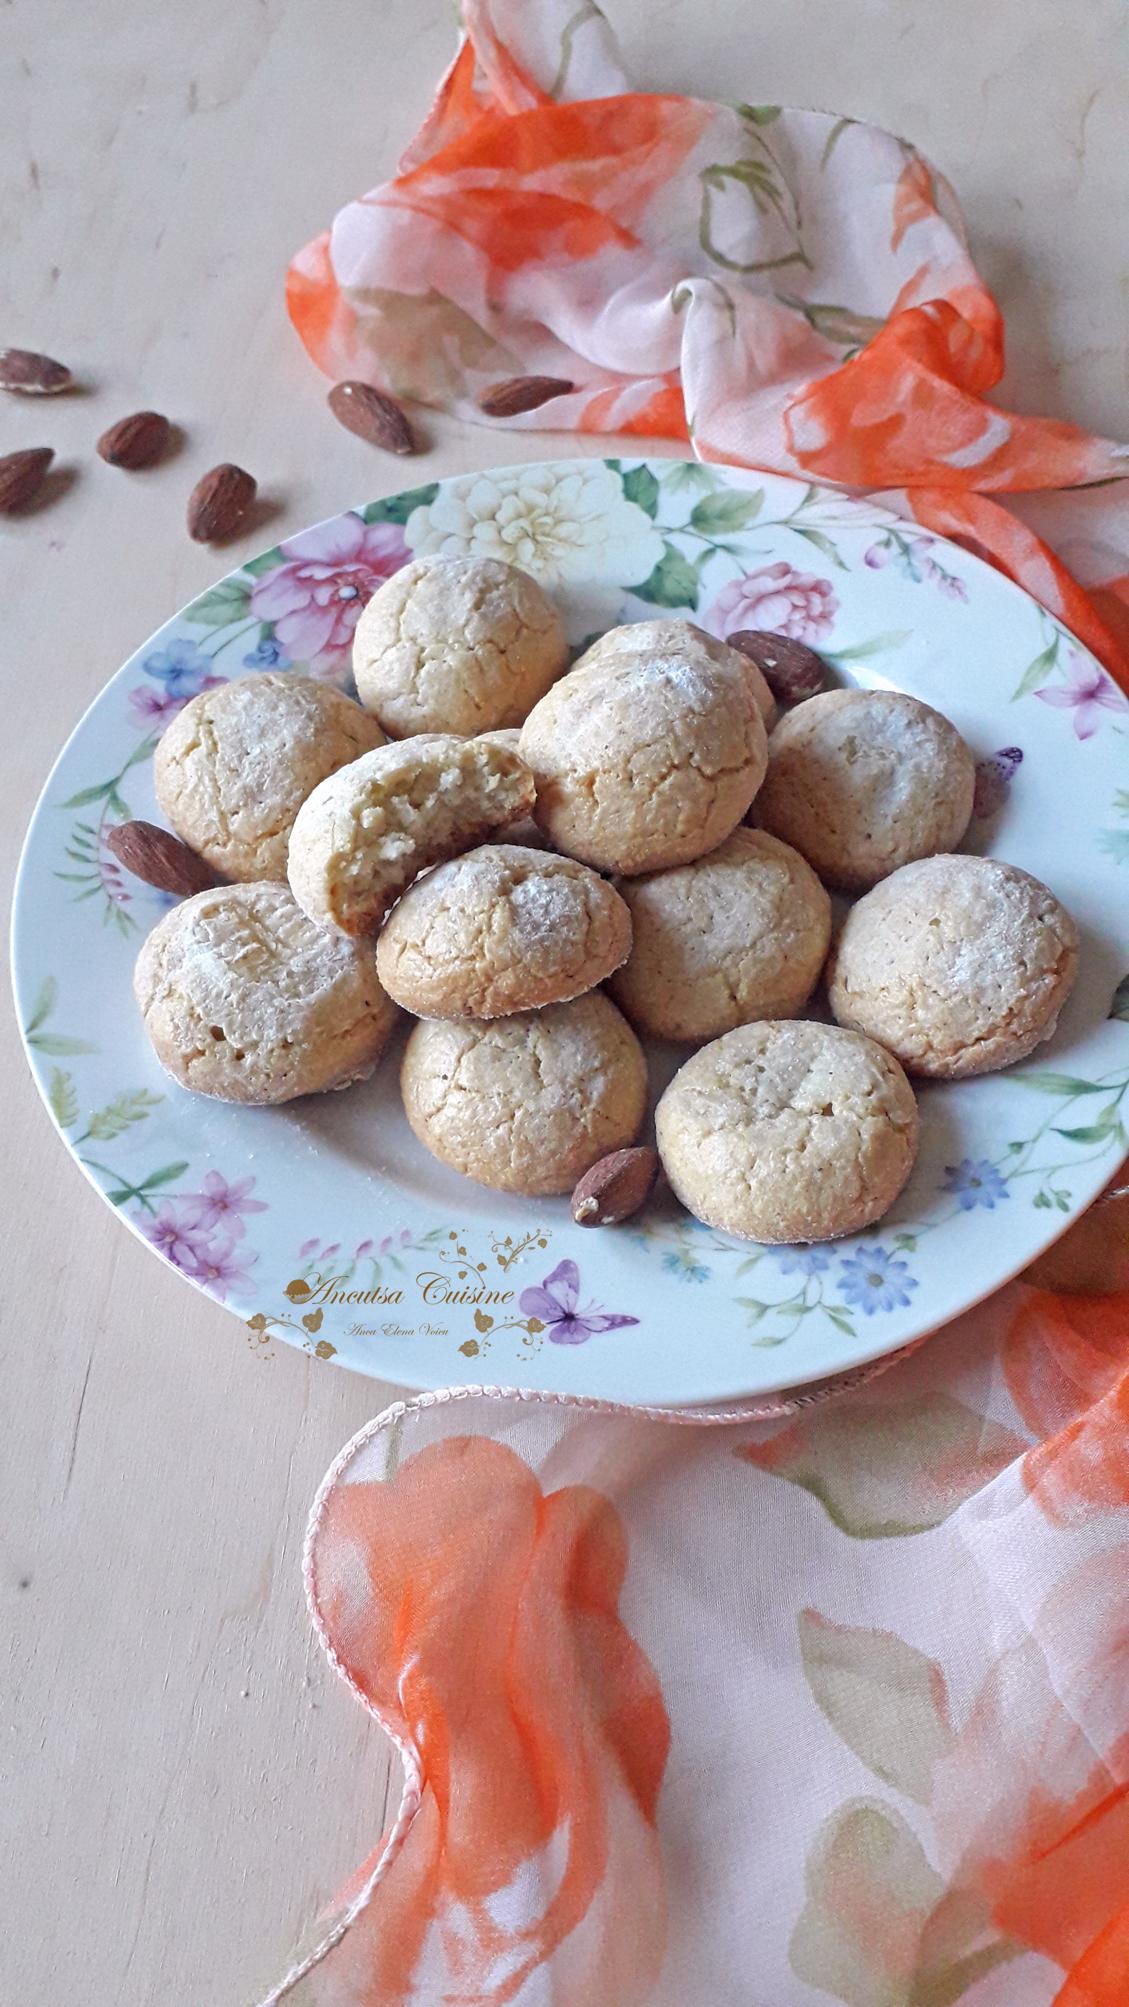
(502, 928)
(457, 644)
(650, 751)
(245, 999)
(959, 965)
(738, 935)
(526, 1103)
(234, 767)
(862, 781)
(792, 1131)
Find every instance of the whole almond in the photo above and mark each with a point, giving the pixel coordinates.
(522, 393)
(160, 858)
(135, 442)
(219, 502)
(32, 375)
(372, 415)
(21, 477)
(615, 1187)
(791, 669)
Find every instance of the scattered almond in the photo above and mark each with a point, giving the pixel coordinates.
(615, 1187)
(21, 477)
(137, 441)
(160, 858)
(219, 502)
(32, 375)
(791, 669)
(372, 415)
(522, 393)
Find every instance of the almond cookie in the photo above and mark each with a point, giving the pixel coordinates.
(501, 929)
(649, 752)
(738, 935)
(788, 1132)
(245, 999)
(368, 830)
(234, 767)
(457, 644)
(527, 1103)
(862, 781)
(959, 965)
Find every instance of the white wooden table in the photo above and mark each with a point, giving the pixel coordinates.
(183, 1779)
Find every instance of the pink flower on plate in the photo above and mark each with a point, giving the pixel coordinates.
(221, 1204)
(222, 1265)
(1087, 692)
(154, 705)
(776, 599)
(314, 598)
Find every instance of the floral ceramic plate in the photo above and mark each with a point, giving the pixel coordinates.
(324, 1224)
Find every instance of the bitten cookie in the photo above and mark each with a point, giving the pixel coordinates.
(245, 999)
(647, 754)
(457, 644)
(526, 831)
(738, 935)
(526, 1103)
(368, 830)
(959, 965)
(234, 767)
(862, 781)
(501, 929)
(788, 1132)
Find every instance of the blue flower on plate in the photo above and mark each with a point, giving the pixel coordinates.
(181, 666)
(268, 655)
(802, 1260)
(876, 1278)
(681, 1263)
(974, 1184)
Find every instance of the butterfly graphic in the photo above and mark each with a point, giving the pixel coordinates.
(994, 777)
(555, 1301)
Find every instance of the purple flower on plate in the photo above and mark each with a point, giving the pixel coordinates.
(391, 1240)
(1087, 692)
(909, 549)
(221, 1204)
(222, 1265)
(876, 1279)
(175, 1235)
(153, 708)
(555, 1301)
(975, 1184)
(948, 583)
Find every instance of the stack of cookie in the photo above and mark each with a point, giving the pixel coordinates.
(485, 840)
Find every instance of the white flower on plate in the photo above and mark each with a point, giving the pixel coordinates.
(564, 524)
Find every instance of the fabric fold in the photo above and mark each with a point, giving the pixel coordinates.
(784, 289)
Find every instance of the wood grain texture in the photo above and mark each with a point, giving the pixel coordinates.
(183, 1780)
